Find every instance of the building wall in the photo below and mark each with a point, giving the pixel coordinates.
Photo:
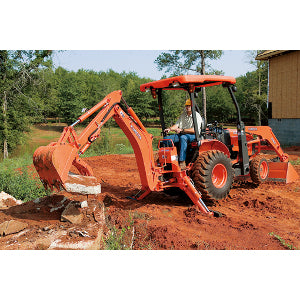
(284, 86)
(287, 131)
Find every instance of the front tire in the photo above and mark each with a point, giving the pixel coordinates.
(259, 169)
(212, 174)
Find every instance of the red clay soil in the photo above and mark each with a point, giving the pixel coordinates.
(251, 212)
(260, 217)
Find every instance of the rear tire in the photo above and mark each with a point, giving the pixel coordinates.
(259, 170)
(212, 174)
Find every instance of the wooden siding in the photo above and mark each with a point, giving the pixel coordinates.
(284, 85)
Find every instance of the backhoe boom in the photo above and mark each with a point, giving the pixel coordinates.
(54, 161)
(67, 150)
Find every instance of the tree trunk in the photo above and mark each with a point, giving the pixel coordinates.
(259, 92)
(5, 148)
(259, 115)
(203, 89)
(5, 151)
(259, 83)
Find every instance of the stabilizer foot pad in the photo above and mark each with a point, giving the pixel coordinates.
(217, 214)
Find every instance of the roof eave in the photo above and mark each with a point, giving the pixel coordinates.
(265, 55)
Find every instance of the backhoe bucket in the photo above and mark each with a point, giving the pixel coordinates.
(282, 172)
(53, 163)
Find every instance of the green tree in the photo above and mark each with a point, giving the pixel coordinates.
(44, 95)
(18, 73)
(258, 97)
(180, 62)
(173, 103)
(143, 105)
(219, 105)
(69, 92)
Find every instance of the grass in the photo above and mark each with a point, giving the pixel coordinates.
(115, 240)
(124, 238)
(19, 181)
(295, 162)
(141, 216)
(48, 137)
(23, 183)
(283, 242)
(112, 140)
(120, 239)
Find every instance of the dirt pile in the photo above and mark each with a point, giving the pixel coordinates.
(54, 222)
(254, 217)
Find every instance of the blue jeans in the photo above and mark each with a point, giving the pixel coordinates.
(183, 140)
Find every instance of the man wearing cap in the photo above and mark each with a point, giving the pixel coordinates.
(185, 133)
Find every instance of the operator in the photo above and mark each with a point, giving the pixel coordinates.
(185, 133)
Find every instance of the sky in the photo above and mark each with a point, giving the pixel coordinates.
(233, 62)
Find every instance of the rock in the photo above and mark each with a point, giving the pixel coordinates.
(98, 213)
(84, 204)
(4, 196)
(37, 200)
(12, 226)
(79, 242)
(47, 228)
(87, 185)
(7, 201)
(72, 214)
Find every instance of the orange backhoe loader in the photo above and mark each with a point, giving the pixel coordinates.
(214, 158)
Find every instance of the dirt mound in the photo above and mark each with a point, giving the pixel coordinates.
(254, 217)
(54, 222)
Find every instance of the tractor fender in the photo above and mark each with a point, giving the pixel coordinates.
(207, 145)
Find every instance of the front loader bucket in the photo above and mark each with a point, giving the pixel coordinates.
(53, 163)
(282, 172)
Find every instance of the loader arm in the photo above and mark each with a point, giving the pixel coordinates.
(265, 133)
(54, 161)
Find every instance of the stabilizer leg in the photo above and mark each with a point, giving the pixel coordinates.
(142, 196)
(189, 188)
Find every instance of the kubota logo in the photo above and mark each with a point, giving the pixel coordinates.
(135, 131)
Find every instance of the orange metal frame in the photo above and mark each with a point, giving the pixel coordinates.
(193, 80)
(54, 161)
(255, 136)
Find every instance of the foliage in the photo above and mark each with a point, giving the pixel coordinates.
(253, 106)
(219, 105)
(144, 106)
(179, 62)
(18, 75)
(173, 105)
(60, 95)
(283, 242)
(105, 144)
(295, 162)
(20, 183)
(115, 240)
(120, 239)
(253, 90)
(189, 61)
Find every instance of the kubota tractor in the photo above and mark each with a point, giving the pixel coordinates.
(214, 159)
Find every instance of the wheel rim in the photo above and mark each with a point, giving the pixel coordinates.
(263, 170)
(219, 176)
